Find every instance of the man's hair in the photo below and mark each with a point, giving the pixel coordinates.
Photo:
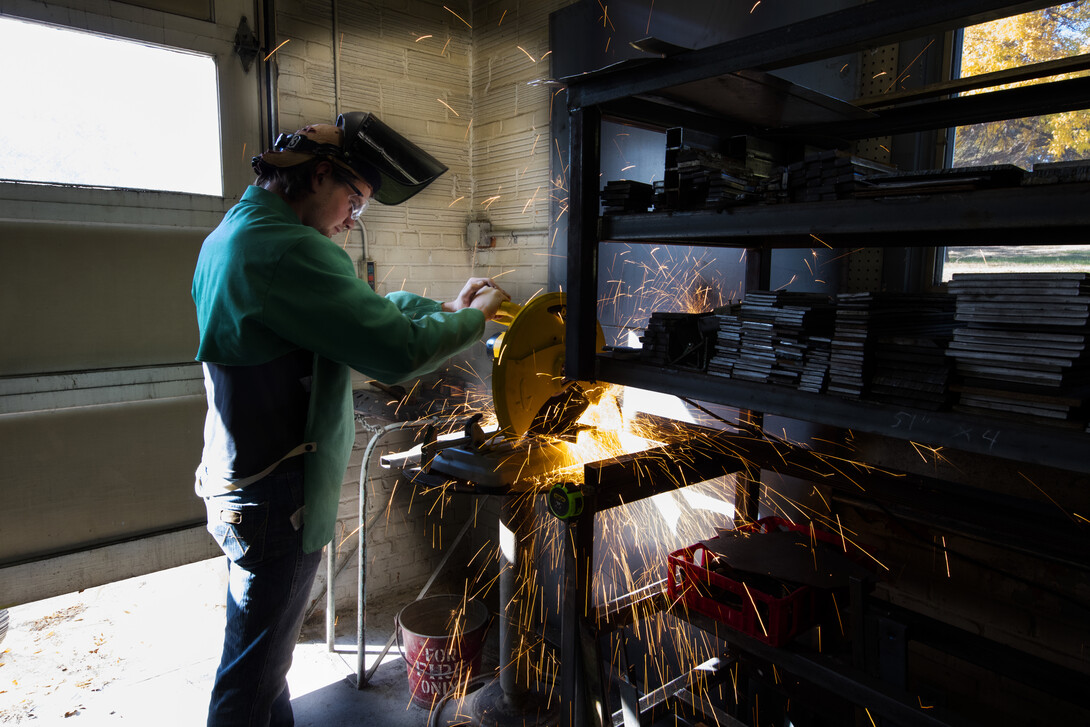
(294, 182)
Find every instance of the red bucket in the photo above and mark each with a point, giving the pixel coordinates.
(443, 638)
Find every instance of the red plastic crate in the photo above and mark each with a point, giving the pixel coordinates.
(768, 618)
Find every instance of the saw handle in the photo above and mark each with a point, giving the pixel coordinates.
(507, 313)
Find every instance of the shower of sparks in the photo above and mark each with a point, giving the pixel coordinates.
(530, 201)
(448, 106)
(422, 38)
(606, 22)
(275, 49)
(1038, 487)
(527, 53)
(457, 16)
(629, 566)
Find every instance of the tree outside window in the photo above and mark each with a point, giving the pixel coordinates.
(1053, 33)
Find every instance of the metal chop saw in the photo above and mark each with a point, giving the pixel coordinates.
(535, 406)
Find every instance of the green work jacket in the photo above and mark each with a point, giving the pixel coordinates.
(266, 285)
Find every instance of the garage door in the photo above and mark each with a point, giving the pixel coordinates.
(104, 202)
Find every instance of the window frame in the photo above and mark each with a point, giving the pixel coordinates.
(239, 94)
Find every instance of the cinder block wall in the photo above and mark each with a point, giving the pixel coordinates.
(511, 141)
(455, 80)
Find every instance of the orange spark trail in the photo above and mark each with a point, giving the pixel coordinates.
(527, 53)
(457, 16)
(275, 49)
(448, 106)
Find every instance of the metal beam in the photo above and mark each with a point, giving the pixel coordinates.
(857, 28)
(972, 83)
(1012, 103)
(1002, 438)
(582, 295)
(991, 216)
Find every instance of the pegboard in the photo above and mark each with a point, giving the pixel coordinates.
(864, 270)
(877, 71)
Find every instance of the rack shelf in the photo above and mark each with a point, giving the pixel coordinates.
(1053, 213)
(1004, 438)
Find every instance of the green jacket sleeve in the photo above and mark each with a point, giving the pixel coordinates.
(316, 301)
(414, 305)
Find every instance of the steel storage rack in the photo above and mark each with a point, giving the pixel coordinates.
(680, 90)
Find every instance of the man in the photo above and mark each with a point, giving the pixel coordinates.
(282, 318)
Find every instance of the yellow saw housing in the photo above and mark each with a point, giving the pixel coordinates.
(529, 390)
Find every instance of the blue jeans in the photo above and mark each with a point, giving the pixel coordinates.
(269, 583)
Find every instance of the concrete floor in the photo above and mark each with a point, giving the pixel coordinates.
(144, 651)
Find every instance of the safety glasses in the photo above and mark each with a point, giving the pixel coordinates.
(357, 200)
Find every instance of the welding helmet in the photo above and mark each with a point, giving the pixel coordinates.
(400, 167)
(393, 166)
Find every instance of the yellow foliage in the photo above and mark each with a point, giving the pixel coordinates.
(1043, 35)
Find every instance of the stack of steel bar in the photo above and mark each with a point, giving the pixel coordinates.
(910, 330)
(770, 337)
(728, 341)
(910, 363)
(934, 181)
(1058, 173)
(823, 176)
(626, 196)
(1021, 344)
(679, 339)
(713, 181)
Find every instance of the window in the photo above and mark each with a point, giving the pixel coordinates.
(91, 110)
(1050, 34)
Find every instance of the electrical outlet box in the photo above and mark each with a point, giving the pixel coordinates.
(479, 234)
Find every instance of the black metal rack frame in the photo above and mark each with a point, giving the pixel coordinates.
(632, 93)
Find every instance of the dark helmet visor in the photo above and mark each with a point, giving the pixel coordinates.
(402, 168)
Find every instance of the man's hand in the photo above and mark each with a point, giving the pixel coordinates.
(469, 293)
(488, 301)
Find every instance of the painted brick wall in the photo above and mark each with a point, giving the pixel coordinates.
(511, 141)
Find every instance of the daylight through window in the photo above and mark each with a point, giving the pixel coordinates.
(1044, 35)
(90, 110)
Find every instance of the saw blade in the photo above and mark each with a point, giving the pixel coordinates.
(529, 390)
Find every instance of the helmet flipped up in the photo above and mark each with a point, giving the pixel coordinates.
(395, 168)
